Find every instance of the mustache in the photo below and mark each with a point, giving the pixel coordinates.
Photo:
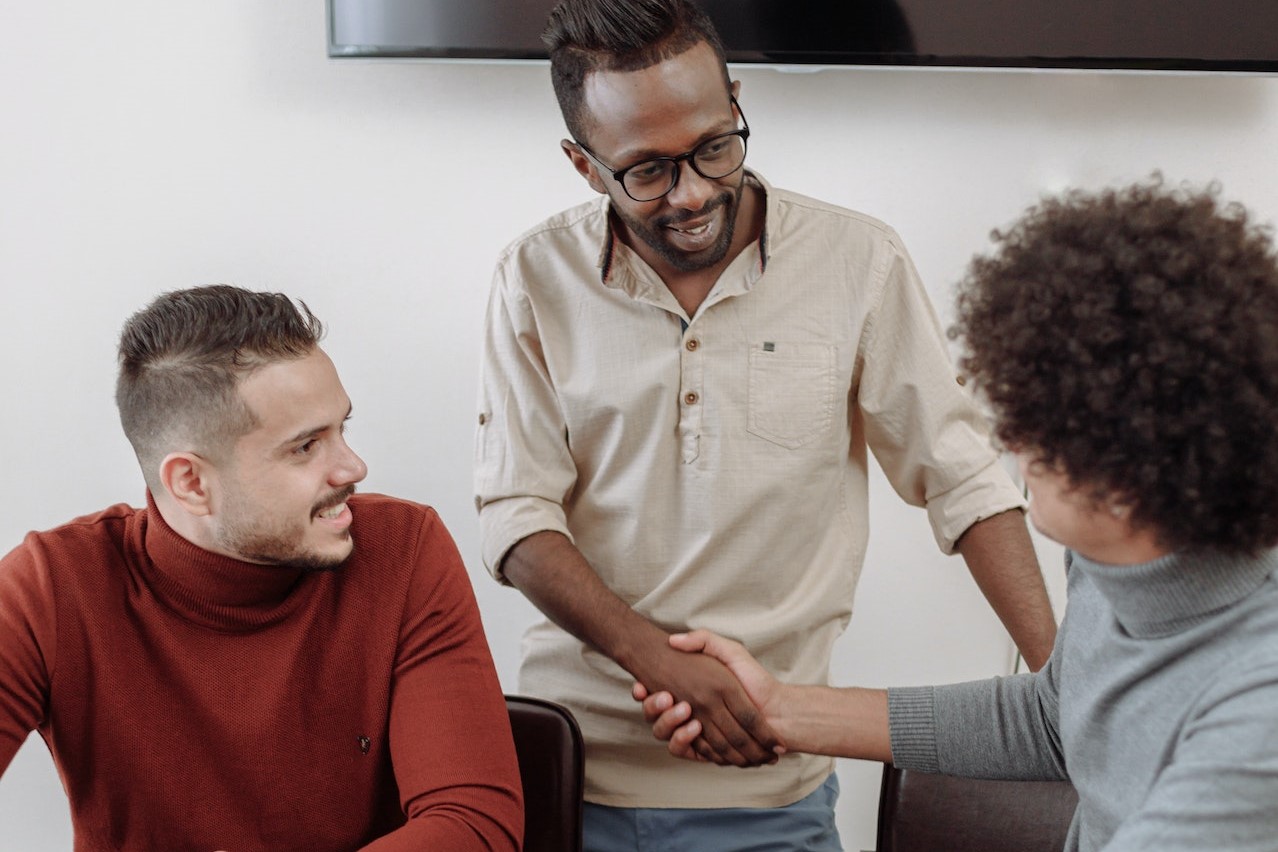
(337, 497)
(710, 206)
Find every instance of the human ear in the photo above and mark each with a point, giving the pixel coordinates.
(583, 165)
(187, 477)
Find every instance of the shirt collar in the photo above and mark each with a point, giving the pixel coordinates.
(619, 267)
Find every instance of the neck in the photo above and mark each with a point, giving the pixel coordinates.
(1135, 548)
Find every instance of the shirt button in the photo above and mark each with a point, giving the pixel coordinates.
(962, 380)
(692, 345)
(690, 398)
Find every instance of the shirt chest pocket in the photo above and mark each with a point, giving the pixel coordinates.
(791, 392)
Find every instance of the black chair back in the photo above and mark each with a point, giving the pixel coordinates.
(922, 812)
(551, 767)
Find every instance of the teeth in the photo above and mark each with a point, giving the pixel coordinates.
(333, 512)
(700, 229)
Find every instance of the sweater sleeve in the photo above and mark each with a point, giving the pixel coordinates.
(1219, 789)
(1004, 727)
(450, 734)
(27, 642)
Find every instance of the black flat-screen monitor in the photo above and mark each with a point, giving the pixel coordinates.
(1152, 35)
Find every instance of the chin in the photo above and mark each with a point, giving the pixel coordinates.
(320, 559)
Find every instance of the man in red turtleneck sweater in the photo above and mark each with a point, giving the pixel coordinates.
(259, 659)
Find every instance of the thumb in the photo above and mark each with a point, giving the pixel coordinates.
(690, 642)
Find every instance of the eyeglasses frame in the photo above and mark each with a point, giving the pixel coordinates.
(619, 174)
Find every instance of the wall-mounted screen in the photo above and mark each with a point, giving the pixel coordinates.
(1168, 35)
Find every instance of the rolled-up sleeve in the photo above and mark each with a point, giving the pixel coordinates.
(523, 468)
(926, 431)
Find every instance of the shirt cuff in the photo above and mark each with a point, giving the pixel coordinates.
(986, 493)
(912, 727)
(504, 523)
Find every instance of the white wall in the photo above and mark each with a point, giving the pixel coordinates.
(155, 145)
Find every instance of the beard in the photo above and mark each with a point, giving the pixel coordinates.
(653, 232)
(282, 544)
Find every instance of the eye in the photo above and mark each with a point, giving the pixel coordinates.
(715, 147)
(649, 171)
(306, 448)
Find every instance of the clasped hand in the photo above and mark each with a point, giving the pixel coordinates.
(709, 723)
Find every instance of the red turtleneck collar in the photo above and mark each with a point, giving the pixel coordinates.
(208, 588)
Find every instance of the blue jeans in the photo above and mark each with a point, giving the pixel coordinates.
(805, 826)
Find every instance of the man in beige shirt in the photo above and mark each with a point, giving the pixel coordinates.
(680, 382)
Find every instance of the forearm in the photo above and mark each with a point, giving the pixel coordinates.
(554, 575)
(1002, 727)
(840, 722)
(1001, 558)
(456, 769)
(454, 830)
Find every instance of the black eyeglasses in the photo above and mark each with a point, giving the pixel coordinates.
(717, 157)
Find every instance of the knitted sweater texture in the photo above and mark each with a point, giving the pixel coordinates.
(1159, 702)
(194, 702)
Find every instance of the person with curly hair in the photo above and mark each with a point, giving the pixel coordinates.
(1127, 343)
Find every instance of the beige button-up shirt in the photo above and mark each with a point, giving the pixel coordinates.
(712, 468)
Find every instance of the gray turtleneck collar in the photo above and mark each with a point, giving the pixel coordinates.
(1176, 591)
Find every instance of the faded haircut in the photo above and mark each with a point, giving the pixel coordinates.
(181, 359)
(584, 36)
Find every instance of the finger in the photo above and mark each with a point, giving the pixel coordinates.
(753, 737)
(681, 741)
(724, 650)
(655, 705)
(639, 692)
(722, 746)
(746, 733)
(706, 753)
(690, 642)
(665, 723)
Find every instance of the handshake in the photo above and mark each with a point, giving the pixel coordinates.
(846, 722)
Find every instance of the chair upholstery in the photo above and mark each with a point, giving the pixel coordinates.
(922, 812)
(551, 766)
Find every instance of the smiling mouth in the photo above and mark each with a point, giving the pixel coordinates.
(696, 228)
(335, 505)
(333, 511)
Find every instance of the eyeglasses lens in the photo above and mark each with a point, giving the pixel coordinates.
(715, 158)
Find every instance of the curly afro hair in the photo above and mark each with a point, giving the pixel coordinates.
(1129, 339)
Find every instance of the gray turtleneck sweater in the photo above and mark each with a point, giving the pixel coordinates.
(1159, 702)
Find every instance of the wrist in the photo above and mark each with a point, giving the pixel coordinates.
(634, 643)
(783, 711)
(842, 722)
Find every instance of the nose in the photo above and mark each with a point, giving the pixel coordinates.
(691, 191)
(349, 469)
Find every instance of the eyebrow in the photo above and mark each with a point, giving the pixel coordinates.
(310, 433)
(645, 154)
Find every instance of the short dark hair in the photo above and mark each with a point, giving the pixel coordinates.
(1129, 339)
(584, 36)
(182, 356)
